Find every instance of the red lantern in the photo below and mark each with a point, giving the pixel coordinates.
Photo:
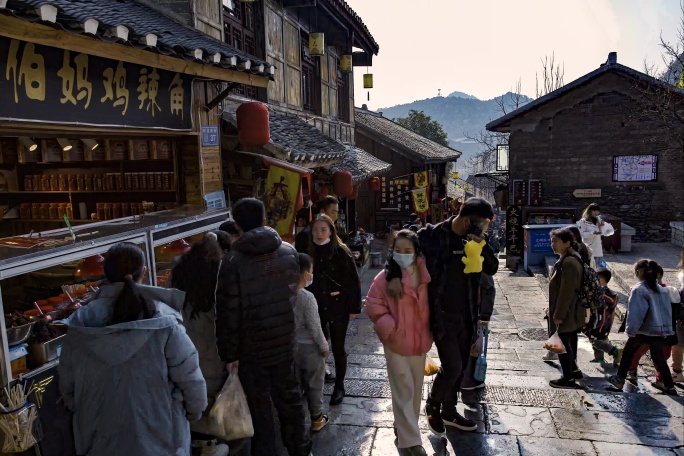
(374, 184)
(253, 127)
(355, 193)
(343, 184)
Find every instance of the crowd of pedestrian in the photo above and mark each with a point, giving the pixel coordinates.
(142, 367)
(654, 320)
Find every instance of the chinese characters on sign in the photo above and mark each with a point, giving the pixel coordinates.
(514, 230)
(535, 192)
(54, 85)
(519, 194)
(396, 194)
(635, 168)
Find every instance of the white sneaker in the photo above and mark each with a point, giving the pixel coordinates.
(550, 356)
(677, 377)
(212, 448)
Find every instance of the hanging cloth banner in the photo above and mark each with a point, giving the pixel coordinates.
(421, 179)
(420, 200)
(282, 192)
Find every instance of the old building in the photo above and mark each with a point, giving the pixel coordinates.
(408, 152)
(593, 140)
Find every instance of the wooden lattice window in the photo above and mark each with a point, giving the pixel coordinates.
(239, 20)
(342, 95)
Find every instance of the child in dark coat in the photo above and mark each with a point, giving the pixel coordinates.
(598, 328)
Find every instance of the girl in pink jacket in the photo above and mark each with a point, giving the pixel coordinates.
(403, 326)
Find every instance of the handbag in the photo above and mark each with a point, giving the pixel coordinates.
(481, 363)
(229, 417)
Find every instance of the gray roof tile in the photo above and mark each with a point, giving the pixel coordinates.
(423, 149)
(361, 165)
(173, 38)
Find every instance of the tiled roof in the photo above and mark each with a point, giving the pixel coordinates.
(356, 20)
(423, 149)
(172, 38)
(361, 165)
(502, 124)
(297, 141)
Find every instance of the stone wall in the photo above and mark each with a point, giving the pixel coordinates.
(571, 146)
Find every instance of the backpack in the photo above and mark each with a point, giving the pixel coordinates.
(590, 294)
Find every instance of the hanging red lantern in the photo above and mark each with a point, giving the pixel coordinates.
(343, 184)
(374, 184)
(253, 126)
(354, 194)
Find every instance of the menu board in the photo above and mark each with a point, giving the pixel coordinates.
(396, 194)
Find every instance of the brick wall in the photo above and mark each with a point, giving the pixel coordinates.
(571, 144)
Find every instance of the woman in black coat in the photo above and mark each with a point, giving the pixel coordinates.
(337, 289)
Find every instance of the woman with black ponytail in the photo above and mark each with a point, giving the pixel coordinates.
(566, 315)
(128, 370)
(649, 322)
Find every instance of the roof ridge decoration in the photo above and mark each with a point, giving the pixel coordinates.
(425, 149)
(138, 25)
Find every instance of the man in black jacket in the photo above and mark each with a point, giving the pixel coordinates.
(255, 325)
(454, 299)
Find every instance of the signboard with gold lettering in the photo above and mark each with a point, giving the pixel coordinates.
(46, 84)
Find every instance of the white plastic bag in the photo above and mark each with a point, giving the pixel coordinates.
(555, 344)
(229, 416)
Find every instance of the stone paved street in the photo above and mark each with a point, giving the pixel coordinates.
(518, 413)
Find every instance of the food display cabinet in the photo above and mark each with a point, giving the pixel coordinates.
(42, 272)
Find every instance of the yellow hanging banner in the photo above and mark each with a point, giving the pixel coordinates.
(282, 189)
(420, 200)
(421, 179)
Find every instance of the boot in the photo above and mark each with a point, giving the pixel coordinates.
(337, 396)
(211, 448)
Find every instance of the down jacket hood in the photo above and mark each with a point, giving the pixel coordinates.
(131, 385)
(258, 242)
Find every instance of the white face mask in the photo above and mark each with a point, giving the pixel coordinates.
(404, 260)
(308, 283)
(323, 242)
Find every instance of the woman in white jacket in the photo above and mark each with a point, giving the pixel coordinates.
(592, 229)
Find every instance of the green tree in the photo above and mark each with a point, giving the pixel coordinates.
(419, 123)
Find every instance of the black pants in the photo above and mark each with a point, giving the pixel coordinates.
(454, 350)
(656, 346)
(278, 383)
(568, 360)
(335, 329)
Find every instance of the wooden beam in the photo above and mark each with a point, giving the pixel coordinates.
(47, 36)
(362, 59)
(298, 3)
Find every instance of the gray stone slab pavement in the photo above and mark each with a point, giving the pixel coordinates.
(622, 264)
(517, 413)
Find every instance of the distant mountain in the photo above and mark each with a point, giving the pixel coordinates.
(462, 95)
(460, 115)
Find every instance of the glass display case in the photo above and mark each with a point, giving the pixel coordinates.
(46, 272)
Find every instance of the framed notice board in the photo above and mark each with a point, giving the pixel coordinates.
(395, 194)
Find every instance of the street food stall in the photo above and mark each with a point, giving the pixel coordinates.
(53, 273)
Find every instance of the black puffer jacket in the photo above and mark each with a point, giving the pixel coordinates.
(256, 285)
(335, 271)
(435, 240)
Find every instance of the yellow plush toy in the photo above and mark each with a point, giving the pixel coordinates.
(473, 256)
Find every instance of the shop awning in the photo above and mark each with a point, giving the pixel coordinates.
(129, 31)
(296, 141)
(361, 165)
(277, 162)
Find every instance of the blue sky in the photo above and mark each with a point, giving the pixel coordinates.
(482, 47)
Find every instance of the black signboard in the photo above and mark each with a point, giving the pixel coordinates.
(396, 194)
(514, 230)
(519, 194)
(535, 192)
(46, 84)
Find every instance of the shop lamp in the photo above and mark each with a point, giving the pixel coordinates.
(317, 44)
(28, 143)
(66, 145)
(90, 143)
(346, 63)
